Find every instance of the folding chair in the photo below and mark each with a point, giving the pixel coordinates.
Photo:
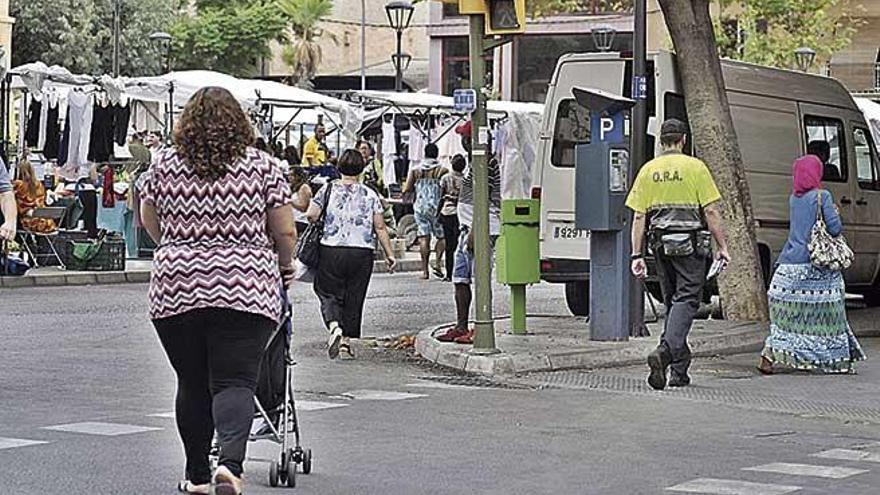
(30, 237)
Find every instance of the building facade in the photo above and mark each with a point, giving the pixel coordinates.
(341, 43)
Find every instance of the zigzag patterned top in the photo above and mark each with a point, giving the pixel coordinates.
(215, 250)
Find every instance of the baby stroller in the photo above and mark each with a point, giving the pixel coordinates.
(275, 405)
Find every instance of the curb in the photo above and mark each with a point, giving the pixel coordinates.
(748, 337)
(62, 279)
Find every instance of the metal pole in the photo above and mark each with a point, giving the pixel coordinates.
(398, 63)
(484, 340)
(117, 12)
(638, 149)
(364, 45)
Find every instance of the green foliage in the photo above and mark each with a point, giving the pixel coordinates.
(540, 8)
(304, 54)
(231, 39)
(771, 30)
(78, 34)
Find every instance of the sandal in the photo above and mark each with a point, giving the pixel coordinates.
(226, 483)
(187, 486)
(345, 351)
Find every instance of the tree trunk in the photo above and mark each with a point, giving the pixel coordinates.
(690, 25)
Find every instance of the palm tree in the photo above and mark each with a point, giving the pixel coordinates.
(304, 54)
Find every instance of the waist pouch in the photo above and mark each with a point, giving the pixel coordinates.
(680, 244)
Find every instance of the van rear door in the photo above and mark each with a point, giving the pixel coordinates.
(568, 125)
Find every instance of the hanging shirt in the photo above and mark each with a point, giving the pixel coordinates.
(32, 129)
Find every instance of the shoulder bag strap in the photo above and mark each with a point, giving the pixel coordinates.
(326, 202)
(819, 214)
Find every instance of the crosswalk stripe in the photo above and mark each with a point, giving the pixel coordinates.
(832, 472)
(312, 405)
(165, 415)
(380, 395)
(102, 429)
(849, 455)
(13, 443)
(712, 486)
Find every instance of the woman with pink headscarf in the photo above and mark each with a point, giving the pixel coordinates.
(808, 325)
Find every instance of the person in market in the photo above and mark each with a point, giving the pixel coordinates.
(464, 264)
(302, 198)
(674, 199)
(315, 152)
(212, 321)
(450, 188)
(353, 223)
(373, 173)
(426, 182)
(7, 205)
(30, 194)
(80, 180)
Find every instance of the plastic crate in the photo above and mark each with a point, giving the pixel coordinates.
(109, 258)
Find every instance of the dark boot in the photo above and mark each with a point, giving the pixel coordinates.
(658, 361)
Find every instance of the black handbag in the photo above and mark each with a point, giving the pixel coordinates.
(308, 249)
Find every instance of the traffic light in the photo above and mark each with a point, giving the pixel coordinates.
(505, 17)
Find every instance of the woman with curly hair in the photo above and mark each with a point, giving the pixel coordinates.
(220, 212)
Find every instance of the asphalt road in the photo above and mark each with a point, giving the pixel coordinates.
(82, 376)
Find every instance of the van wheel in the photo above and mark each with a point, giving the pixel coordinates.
(577, 296)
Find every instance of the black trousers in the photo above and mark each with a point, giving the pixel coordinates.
(341, 285)
(450, 232)
(681, 279)
(216, 354)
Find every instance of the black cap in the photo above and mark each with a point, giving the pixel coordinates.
(673, 127)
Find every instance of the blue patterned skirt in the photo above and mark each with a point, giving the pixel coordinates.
(808, 325)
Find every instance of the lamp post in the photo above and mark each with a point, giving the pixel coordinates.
(400, 15)
(163, 39)
(603, 37)
(804, 56)
(117, 14)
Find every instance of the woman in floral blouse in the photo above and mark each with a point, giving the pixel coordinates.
(352, 224)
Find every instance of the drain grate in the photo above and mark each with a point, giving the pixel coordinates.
(579, 380)
(474, 381)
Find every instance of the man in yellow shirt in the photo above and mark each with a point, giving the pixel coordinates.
(315, 151)
(675, 198)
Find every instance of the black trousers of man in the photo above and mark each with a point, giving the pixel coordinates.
(681, 279)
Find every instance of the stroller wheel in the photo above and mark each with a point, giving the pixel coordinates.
(307, 461)
(273, 475)
(291, 473)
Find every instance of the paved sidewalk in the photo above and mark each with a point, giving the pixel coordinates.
(137, 272)
(560, 343)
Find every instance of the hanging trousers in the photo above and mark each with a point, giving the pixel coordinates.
(216, 353)
(341, 285)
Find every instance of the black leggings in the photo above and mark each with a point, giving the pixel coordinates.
(451, 232)
(216, 354)
(341, 285)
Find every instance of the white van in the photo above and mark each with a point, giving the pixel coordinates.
(777, 115)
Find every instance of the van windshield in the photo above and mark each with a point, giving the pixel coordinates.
(572, 128)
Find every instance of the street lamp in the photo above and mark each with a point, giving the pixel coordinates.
(401, 61)
(804, 57)
(400, 15)
(603, 37)
(163, 39)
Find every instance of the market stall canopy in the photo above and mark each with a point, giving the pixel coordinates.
(251, 93)
(430, 101)
(33, 78)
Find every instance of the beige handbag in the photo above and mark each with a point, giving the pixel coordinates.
(827, 252)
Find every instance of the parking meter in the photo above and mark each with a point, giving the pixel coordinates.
(601, 186)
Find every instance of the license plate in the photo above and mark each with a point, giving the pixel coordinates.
(569, 232)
